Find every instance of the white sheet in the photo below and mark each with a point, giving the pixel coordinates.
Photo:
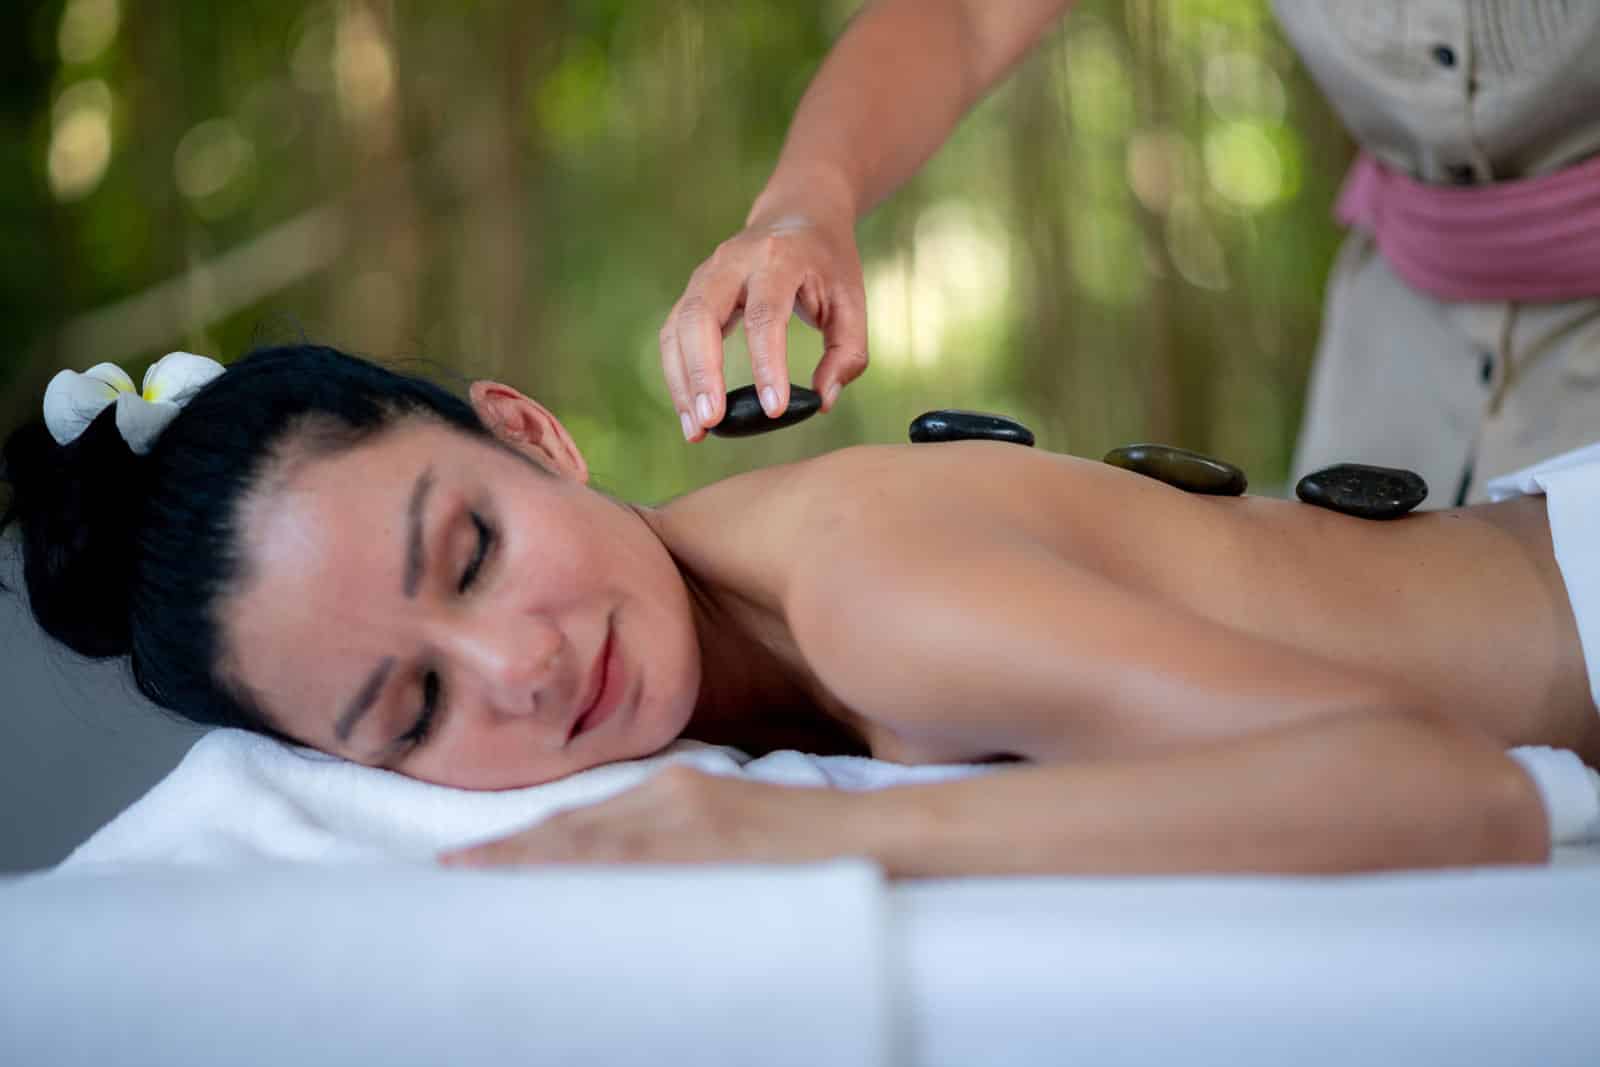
(372, 964)
(294, 965)
(1453, 968)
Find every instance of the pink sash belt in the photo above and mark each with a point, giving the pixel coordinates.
(1534, 240)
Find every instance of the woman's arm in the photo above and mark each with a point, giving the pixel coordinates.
(1351, 792)
(887, 96)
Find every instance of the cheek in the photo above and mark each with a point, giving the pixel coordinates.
(672, 648)
(571, 555)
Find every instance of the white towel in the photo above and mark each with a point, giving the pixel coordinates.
(1570, 789)
(239, 797)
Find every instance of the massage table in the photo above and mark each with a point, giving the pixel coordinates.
(271, 905)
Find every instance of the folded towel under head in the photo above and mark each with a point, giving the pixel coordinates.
(238, 797)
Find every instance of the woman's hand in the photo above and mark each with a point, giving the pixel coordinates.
(686, 816)
(804, 264)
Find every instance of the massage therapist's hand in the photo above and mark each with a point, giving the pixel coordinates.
(800, 263)
(685, 816)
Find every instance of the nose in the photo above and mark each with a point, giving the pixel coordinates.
(511, 664)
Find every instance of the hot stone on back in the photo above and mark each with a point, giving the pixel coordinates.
(1363, 491)
(935, 426)
(1180, 468)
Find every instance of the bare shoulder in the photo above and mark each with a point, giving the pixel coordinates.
(889, 506)
(871, 491)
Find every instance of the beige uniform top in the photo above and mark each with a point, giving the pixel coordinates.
(1455, 92)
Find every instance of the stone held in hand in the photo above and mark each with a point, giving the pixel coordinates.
(1363, 491)
(745, 417)
(1178, 467)
(935, 426)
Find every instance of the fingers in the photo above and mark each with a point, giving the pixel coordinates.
(691, 345)
(678, 380)
(699, 334)
(769, 274)
(507, 850)
(691, 348)
(844, 344)
(769, 300)
(566, 837)
(691, 361)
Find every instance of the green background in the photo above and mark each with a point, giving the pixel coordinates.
(1127, 241)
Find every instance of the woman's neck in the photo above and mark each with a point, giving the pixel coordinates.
(756, 691)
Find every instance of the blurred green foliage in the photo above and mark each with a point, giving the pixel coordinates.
(1127, 241)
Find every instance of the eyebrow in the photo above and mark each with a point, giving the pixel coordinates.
(419, 499)
(367, 695)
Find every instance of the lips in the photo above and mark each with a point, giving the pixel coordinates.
(602, 688)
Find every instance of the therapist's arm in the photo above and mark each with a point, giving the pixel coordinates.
(888, 96)
(1352, 792)
(885, 99)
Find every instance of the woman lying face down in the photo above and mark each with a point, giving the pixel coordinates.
(360, 562)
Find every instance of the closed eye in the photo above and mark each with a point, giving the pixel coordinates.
(418, 735)
(480, 553)
(422, 729)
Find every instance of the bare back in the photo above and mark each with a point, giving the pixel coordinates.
(1465, 607)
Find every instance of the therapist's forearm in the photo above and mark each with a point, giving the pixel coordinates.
(1351, 792)
(888, 95)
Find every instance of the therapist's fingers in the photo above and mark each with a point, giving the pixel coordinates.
(678, 381)
(768, 303)
(700, 321)
(842, 318)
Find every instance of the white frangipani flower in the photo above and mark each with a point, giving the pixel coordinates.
(73, 400)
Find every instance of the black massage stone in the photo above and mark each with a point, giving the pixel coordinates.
(935, 426)
(1363, 491)
(745, 417)
(1180, 468)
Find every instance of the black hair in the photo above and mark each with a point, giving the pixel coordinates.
(131, 555)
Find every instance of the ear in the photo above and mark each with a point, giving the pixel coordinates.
(529, 427)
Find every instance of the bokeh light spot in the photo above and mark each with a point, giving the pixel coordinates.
(211, 157)
(956, 277)
(363, 66)
(87, 29)
(80, 140)
(1244, 166)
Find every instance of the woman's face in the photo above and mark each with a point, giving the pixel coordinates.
(440, 605)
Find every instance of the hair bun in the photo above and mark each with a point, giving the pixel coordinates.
(78, 507)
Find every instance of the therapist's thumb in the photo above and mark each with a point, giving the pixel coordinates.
(844, 345)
